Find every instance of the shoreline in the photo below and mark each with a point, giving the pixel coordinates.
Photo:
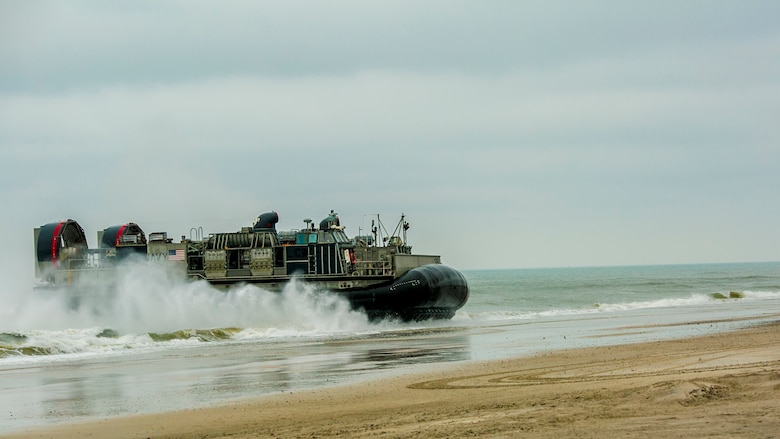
(722, 385)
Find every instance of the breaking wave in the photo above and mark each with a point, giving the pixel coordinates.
(695, 300)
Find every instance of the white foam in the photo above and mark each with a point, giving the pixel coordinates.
(695, 300)
(150, 298)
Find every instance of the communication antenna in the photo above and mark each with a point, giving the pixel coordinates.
(401, 227)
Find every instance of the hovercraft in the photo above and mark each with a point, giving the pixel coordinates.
(376, 273)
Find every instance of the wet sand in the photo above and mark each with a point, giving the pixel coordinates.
(722, 385)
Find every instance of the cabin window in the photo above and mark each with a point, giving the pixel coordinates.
(306, 238)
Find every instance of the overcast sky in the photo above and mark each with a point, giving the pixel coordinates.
(511, 133)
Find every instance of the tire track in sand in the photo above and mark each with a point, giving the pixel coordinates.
(599, 371)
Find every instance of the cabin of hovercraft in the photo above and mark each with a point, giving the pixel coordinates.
(256, 254)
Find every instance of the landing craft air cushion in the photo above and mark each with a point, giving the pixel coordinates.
(376, 274)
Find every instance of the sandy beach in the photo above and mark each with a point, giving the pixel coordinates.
(725, 385)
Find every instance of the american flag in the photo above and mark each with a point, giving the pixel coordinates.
(176, 255)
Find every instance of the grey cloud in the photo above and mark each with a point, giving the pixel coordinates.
(589, 133)
(55, 45)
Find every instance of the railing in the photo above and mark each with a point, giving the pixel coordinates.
(374, 268)
(196, 233)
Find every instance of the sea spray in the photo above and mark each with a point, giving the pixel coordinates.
(149, 297)
(149, 303)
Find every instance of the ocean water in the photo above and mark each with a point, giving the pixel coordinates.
(159, 343)
(524, 293)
